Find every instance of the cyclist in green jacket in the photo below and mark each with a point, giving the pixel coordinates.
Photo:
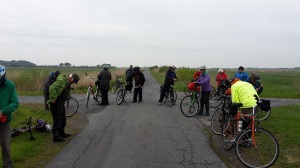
(59, 93)
(9, 102)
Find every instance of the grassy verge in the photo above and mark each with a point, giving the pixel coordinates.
(26, 153)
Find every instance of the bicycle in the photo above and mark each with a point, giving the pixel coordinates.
(118, 83)
(90, 91)
(188, 91)
(71, 106)
(121, 95)
(170, 96)
(215, 99)
(189, 105)
(254, 146)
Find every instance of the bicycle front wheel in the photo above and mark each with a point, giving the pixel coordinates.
(120, 96)
(189, 106)
(97, 96)
(71, 106)
(229, 131)
(88, 94)
(262, 115)
(114, 88)
(215, 100)
(263, 154)
(216, 122)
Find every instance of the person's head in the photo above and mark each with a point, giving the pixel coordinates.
(220, 71)
(172, 68)
(73, 78)
(137, 68)
(232, 81)
(2, 73)
(130, 67)
(241, 69)
(202, 68)
(56, 73)
(105, 67)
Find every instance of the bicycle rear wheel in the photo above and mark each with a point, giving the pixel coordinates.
(71, 106)
(264, 154)
(88, 94)
(189, 106)
(216, 122)
(262, 115)
(215, 100)
(228, 133)
(114, 88)
(97, 96)
(120, 96)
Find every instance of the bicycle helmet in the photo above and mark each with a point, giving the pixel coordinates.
(2, 71)
(232, 81)
(105, 67)
(75, 77)
(203, 67)
(241, 68)
(221, 70)
(173, 67)
(48, 128)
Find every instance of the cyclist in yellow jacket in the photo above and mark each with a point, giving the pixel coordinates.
(243, 92)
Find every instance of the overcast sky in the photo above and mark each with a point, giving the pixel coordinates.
(190, 33)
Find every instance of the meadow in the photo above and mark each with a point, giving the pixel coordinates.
(283, 121)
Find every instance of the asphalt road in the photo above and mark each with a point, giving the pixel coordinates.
(139, 135)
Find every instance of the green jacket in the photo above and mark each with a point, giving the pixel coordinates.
(243, 92)
(57, 88)
(9, 101)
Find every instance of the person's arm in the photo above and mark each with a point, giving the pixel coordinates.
(13, 102)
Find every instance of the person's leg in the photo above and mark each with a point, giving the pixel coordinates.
(5, 137)
(46, 97)
(140, 94)
(56, 123)
(201, 104)
(106, 97)
(63, 122)
(206, 103)
(135, 92)
(163, 92)
(103, 97)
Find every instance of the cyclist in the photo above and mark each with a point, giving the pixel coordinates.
(139, 80)
(49, 81)
(129, 76)
(243, 92)
(221, 76)
(104, 77)
(204, 82)
(59, 93)
(255, 81)
(241, 74)
(196, 74)
(170, 77)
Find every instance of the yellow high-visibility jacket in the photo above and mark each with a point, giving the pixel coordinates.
(243, 92)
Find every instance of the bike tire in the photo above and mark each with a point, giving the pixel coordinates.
(216, 122)
(264, 154)
(228, 133)
(88, 94)
(262, 115)
(114, 88)
(120, 97)
(189, 106)
(215, 100)
(71, 106)
(97, 97)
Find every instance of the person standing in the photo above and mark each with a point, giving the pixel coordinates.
(241, 74)
(221, 76)
(256, 82)
(59, 93)
(204, 82)
(139, 79)
(129, 78)
(170, 77)
(9, 102)
(104, 77)
(48, 82)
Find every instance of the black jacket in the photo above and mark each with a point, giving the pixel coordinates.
(104, 77)
(139, 78)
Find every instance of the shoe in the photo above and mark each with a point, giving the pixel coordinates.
(200, 113)
(206, 114)
(140, 100)
(65, 135)
(133, 101)
(58, 139)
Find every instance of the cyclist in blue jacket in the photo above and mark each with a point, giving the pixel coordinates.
(241, 74)
(170, 77)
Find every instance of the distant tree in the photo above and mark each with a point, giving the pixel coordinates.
(61, 64)
(98, 66)
(67, 64)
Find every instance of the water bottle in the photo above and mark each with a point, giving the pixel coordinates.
(240, 125)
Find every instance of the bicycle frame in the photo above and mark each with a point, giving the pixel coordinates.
(91, 90)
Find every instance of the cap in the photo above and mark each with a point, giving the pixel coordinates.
(220, 70)
(75, 77)
(173, 67)
(57, 73)
(203, 67)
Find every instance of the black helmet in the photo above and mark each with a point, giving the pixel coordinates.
(230, 80)
(241, 68)
(136, 68)
(75, 77)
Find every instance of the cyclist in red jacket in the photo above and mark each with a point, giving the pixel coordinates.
(220, 78)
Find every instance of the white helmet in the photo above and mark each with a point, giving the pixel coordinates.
(220, 70)
(203, 67)
(105, 67)
(48, 128)
(2, 71)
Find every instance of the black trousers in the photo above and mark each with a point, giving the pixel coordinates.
(104, 94)
(58, 112)
(164, 90)
(138, 91)
(204, 101)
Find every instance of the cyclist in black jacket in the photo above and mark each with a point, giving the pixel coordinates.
(170, 77)
(139, 79)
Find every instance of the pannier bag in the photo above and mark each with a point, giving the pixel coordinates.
(191, 86)
(265, 105)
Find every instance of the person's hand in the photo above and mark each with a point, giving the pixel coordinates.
(175, 79)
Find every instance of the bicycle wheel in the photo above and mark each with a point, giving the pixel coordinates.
(71, 106)
(120, 96)
(88, 94)
(166, 97)
(215, 100)
(114, 88)
(175, 96)
(189, 106)
(171, 100)
(228, 133)
(97, 96)
(264, 154)
(216, 122)
(262, 115)
(213, 91)
(186, 90)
